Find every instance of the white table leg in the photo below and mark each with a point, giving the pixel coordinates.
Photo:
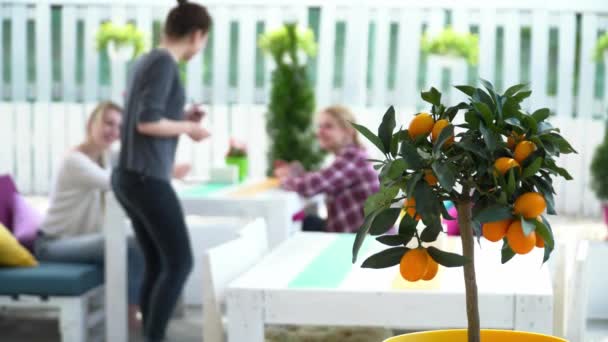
(245, 315)
(115, 271)
(534, 313)
(73, 320)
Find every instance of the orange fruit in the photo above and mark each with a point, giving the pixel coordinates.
(530, 205)
(514, 138)
(540, 243)
(430, 178)
(410, 208)
(414, 264)
(431, 269)
(504, 164)
(523, 150)
(495, 231)
(520, 243)
(422, 124)
(437, 128)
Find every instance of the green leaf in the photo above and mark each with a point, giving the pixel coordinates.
(387, 258)
(559, 170)
(519, 97)
(472, 119)
(412, 182)
(530, 123)
(489, 87)
(452, 111)
(563, 145)
(514, 89)
(541, 114)
(426, 203)
(545, 232)
(533, 168)
(407, 226)
(485, 112)
(393, 240)
(514, 122)
(380, 200)
(545, 126)
(370, 136)
(511, 181)
(482, 96)
(489, 137)
(466, 89)
(506, 252)
(432, 96)
(473, 147)
(429, 234)
(447, 259)
(386, 128)
(528, 225)
(395, 144)
(396, 168)
(384, 221)
(409, 152)
(361, 234)
(493, 213)
(445, 175)
(446, 134)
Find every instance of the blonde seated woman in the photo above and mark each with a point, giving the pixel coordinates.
(72, 229)
(347, 182)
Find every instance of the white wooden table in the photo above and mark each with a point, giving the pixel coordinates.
(308, 280)
(245, 200)
(252, 199)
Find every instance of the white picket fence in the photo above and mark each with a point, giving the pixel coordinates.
(35, 129)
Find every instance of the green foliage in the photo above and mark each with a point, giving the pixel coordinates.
(121, 36)
(292, 102)
(465, 170)
(601, 47)
(452, 43)
(599, 170)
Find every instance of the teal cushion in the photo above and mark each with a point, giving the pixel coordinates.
(50, 279)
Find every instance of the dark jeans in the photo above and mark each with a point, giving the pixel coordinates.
(159, 225)
(313, 223)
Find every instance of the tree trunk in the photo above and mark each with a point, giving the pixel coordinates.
(468, 250)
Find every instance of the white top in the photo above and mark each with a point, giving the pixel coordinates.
(76, 203)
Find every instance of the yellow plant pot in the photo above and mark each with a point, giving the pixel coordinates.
(460, 335)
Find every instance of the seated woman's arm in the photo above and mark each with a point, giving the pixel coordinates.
(339, 175)
(85, 172)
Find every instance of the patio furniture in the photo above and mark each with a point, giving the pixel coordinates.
(313, 273)
(74, 290)
(221, 265)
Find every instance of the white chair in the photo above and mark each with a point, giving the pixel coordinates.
(578, 294)
(221, 265)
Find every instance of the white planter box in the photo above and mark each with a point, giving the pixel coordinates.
(120, 53)
(449, 62)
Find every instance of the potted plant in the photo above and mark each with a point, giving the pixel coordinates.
(496, 167)
(121, 42)
(601, 49)
(450, 47)
(292, 101)
(599, 174)
(237, 156)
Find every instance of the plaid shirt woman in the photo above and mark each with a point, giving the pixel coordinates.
(346, 183)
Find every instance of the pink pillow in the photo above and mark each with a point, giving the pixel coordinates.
(7, 191)
(453, 229)
(26, 221)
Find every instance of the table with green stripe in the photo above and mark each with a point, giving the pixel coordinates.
(310, 280)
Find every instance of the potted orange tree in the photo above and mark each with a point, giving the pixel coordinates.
(497, 166)
(237, 156)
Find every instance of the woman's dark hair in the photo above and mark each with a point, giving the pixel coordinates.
(185, 18)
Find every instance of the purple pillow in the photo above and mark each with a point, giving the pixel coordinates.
(7, 191)
(26, 221)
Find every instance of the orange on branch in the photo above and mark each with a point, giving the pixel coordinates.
(422, 124)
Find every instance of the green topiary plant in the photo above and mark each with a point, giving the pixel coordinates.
(599, 170)
(292, 101)
(601, 47)
(121, 36)
(497, 166)
(452, 43)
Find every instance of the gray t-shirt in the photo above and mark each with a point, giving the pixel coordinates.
(154, 92)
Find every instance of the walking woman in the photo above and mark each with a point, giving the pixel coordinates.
(153, 120)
